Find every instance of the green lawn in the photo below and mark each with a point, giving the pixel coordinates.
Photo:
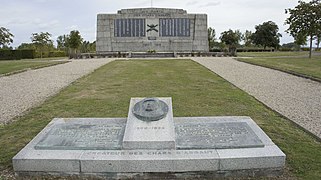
(11, 67)
(292, 63)
(195, 91)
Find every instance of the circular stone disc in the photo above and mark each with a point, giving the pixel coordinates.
(150, 109)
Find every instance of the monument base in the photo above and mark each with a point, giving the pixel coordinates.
(270, 172)
(205, 147)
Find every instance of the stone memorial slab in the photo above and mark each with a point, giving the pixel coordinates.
(150, 128)
(150, 140)
(86, 135)
(213, 135)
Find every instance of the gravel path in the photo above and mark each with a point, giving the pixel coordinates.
(23, 91)
(296, 98)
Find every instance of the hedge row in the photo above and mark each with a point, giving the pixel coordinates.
(246, 50)
(255, 50)
(16, 54)
(51, 54)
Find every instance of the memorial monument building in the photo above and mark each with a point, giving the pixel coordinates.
(152, 29)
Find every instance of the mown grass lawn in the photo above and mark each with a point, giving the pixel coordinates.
(15, 66)
(292, 63)
(195, 91)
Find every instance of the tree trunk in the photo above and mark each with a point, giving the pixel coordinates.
(75, 54)
(310, 53)
(70, 53)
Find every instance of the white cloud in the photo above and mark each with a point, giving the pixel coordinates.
(211, 4)
(72, 27)
(191, 3)
(49, 25)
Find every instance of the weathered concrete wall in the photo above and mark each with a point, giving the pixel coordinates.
(160, 29)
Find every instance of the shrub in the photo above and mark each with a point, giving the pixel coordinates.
(28, 54)
(215, 50)
(57, 54)
(305, 49)
(285, 49)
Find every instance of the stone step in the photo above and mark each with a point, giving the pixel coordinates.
(153, 55)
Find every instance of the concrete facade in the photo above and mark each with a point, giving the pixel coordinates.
(152, 29)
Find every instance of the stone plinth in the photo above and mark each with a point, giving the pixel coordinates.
(149, 135)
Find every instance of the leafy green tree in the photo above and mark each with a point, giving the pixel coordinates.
(247, 38)
(231, 39)
(74, 41)
(5, 37)
(62, 43)
(85, 47)
(300, 40)
(318, 40)
(42, 41)
(211, 38)
(305, 21)
(267, 35)
(291, 46)
(26, 46)
(93, 46)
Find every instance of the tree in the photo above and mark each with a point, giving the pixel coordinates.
(267, 35)
(318, 40)
(26, 46)
(300, 40)
(5, 37)
(211, 38)
(291, 45)
(74, 41)
(93, 46)
(42, 41)
(62, 43)
(85, 47)
(305, 21)
(247, 38)
(231, 39)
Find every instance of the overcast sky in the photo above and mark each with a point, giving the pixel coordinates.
(58, 17)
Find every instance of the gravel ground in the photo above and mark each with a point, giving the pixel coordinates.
(296, 98)
(23, 91)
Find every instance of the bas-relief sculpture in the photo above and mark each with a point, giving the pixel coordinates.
(150, 109)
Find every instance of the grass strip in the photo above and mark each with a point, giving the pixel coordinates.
(300, 66)
(14, 67)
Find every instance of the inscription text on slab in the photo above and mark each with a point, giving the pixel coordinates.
(83, 137)
(216, 136)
